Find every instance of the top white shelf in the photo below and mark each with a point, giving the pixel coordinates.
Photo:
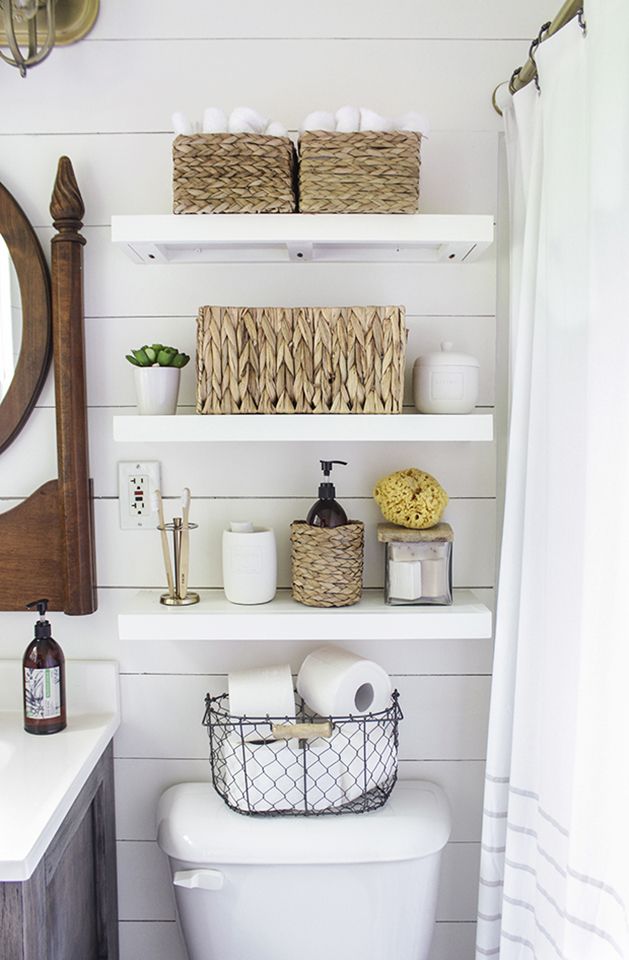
(281, 238)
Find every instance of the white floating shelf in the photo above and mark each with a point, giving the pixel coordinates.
(214, 618)
(299, 427)
(280, 238)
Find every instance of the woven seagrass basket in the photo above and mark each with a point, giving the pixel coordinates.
(368, 172)
(300, 359)
(327, 564)
(233, 173)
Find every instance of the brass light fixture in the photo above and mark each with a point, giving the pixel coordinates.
(31, 28)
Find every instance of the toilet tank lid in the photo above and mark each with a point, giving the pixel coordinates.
(196, 826)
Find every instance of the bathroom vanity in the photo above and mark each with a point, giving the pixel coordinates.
(58, 892)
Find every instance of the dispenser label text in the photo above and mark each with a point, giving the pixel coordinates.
(42, 693)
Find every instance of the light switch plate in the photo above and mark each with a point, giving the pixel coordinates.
(137, 481)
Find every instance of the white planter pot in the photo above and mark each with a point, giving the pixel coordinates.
(157, 389)
(249, 565)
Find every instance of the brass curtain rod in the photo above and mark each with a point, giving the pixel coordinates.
(528, 72)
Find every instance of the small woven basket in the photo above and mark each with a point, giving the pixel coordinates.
(300, 360)
(233, 173)
(368, 172)
(327, 564)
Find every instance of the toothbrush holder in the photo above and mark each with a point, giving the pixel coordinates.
(178, 598)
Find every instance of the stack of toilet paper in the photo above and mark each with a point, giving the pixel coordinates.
(282, 774)
(240, 120)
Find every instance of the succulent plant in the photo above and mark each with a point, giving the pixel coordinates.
(157, 355)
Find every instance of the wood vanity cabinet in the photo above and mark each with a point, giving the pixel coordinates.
(68, 908)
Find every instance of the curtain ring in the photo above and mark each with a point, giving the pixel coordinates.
(494, 102)
(581, 21)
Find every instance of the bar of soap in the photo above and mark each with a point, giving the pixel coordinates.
(405, 579)
(434, 578)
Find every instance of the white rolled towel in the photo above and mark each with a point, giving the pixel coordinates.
(276, 129)
(370, 120)
(246, 120)
(347, 119)
(416, 122)
(319, 120)
(214, 120)
(181, 124)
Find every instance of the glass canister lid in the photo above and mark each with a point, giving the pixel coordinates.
(446, 356)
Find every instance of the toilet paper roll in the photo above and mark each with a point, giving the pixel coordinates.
(270, 776)
(265, 691)
(335, 682)
(367, 760)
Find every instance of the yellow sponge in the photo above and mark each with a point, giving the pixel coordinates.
(411, 498)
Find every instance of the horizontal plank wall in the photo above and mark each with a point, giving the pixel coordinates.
(106, 102)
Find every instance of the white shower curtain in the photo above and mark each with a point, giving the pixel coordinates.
(555, 847)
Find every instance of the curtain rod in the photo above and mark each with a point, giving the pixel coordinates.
(524, 74)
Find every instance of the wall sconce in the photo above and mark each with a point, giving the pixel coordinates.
(31, 28)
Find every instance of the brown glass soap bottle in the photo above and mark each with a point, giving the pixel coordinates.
(44, 679)
(326, 512)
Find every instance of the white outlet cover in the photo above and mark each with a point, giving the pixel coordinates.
(137, 481)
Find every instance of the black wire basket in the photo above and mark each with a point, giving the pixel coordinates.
(302, 767)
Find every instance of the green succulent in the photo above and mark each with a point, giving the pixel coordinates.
(157, 355)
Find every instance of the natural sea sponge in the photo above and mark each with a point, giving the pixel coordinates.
(411, 498)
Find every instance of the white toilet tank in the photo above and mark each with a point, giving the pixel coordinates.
(350, 887)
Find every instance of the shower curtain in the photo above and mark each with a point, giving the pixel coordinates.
(555, 847)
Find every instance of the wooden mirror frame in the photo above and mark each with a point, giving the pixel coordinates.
(36, 347)
(47, 542)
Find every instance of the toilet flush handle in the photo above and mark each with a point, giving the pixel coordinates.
(203, 879)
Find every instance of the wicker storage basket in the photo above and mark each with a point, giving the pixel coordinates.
(233, 173)
(327, 564)
(369, 172)
(300, 359)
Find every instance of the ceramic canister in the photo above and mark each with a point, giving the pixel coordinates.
(445, 382)
(249, 564)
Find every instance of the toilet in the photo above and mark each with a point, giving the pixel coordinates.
(350, 887)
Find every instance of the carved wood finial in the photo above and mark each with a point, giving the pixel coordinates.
(66, 206)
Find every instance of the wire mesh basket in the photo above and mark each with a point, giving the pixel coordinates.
(302, 766)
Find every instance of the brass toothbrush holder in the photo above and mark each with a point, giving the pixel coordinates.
(179, 597)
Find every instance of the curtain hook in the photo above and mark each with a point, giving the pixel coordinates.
(582, 22)
(512, 80)
(534, 45)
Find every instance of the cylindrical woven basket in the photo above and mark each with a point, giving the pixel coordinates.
(300, 359)
(327, 563)
(368, 172)
(233, 173)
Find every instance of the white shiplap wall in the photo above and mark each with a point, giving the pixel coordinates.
(106, 103)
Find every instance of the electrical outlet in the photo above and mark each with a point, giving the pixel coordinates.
(137, 481)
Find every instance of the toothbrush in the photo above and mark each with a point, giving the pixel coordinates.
(158, 506)
(185, 545)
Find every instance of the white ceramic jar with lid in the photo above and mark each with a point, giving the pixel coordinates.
(445, 382)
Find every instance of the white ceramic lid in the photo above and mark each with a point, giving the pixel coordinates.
(447, 356)
(194, 825)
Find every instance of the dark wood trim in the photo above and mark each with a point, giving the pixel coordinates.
(31, 547)
(47, 542)
(35, 351)
(75, 503)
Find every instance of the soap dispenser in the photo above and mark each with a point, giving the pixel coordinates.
(44, 678)
(326, 512)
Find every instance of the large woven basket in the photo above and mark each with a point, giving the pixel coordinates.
(327, 564)
(300, 359)
(368, 172)
(233, 173)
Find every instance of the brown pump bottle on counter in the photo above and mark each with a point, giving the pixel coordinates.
(43, 673)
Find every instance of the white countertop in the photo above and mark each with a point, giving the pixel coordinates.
(41, 776)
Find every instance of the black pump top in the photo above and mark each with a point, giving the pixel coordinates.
(42, 626)
(326, 490)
